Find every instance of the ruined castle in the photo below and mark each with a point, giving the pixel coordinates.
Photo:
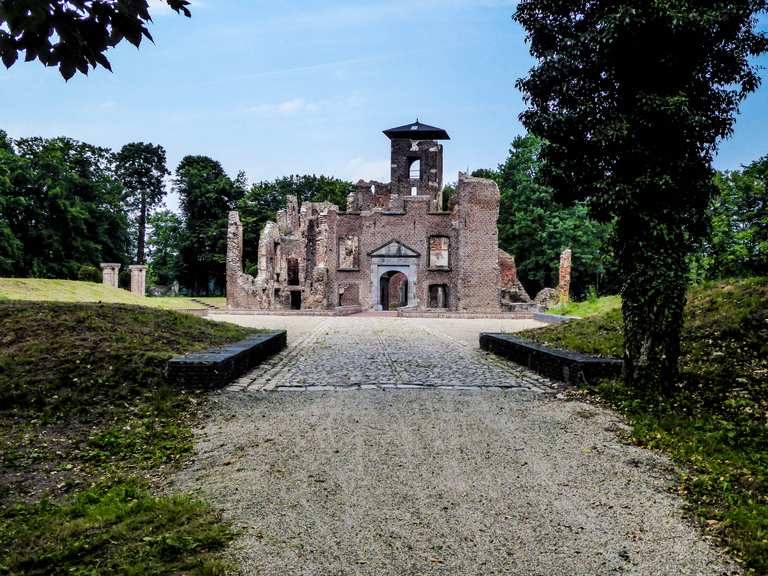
(396, 246)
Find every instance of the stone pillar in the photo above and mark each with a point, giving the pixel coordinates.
(565, 275)
(138, 279)
(110, 274)
(235, 258)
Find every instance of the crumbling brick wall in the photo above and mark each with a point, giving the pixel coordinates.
(475, 215)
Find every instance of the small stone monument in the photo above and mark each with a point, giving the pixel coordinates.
(138, 279)
(110, 274)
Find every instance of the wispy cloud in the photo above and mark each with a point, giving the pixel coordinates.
(298, 105)
(284, 108)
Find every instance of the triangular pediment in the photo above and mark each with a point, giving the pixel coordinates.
(394, 249)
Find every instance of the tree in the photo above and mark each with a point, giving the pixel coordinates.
(536, 228)
(207, 194)
(264, 199)
(141, 168)
(165, 241)
(73, 34)
(60, 208)
(632, 99)
(738, 244)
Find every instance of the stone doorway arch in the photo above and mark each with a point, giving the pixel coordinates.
(393, 288)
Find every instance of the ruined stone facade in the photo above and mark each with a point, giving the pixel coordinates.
(393, 247)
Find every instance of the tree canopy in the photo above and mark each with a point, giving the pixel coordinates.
(142, 170)
(535, 228)
(632, 99)
(206, 196)
(73, 34)
(60, 208)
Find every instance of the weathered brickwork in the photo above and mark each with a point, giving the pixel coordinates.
(565, 275)
(393, 248)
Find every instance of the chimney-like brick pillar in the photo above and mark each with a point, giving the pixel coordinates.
(138, 279)
(110, 274)
(565, 275)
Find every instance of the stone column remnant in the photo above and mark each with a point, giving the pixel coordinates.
(565, 275)
(110, 274)
(138, 279)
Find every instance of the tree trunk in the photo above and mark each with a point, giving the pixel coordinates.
(654, 268)
(142, 230)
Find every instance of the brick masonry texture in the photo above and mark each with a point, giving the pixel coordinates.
(217, 367)
(390, 249)
(569, 367)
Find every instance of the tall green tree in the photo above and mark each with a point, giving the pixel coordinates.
(142, 170)
(165, 240)
(73, 34)
(206, 195)
(535, 227)
(60, 208)
(631, 99)
(738, 243)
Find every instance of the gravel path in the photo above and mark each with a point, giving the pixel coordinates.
(435, 481)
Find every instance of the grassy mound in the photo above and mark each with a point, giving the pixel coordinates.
(45, 290)
(86, 357)
(87, 421)
(716, 424)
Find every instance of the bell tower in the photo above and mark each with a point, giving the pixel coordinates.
(417, 162)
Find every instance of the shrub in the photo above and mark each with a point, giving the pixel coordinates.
(88, 273)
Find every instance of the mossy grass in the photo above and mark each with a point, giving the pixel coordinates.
(116, 527)
(87, 424)
(589, 307)
(715, 425)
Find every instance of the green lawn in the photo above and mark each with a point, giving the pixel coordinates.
(45, 290)
(86, 420)
(716, 424)
(588, 308)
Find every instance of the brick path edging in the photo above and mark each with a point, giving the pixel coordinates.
(569, 367)
(217, 367)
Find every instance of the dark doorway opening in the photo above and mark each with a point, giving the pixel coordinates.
(393, 288)
(295, 300)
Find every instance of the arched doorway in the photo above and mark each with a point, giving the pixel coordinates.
(393, 290)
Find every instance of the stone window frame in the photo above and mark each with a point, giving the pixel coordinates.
(429, 253)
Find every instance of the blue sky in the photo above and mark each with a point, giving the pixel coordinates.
(307, 86)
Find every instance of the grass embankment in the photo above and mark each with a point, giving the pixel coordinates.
(45, 290)
(587, 308)
(87, 426)
(716, 424)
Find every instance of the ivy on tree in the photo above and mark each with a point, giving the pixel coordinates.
(632, 99)
(73, 34)
(141, 169)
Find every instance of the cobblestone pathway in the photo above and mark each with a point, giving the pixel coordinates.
(368, 353)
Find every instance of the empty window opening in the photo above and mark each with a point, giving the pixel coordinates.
(414, 191)
(295, 300)
(438, 252)
(438, 296)
(414, 169)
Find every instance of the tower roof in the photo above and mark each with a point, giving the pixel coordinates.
(417, 131)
